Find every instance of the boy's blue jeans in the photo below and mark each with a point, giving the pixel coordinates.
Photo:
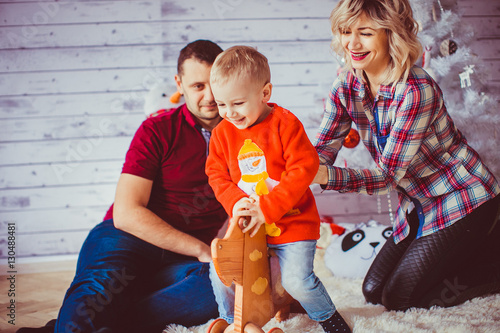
(129, 285)
(297, 277)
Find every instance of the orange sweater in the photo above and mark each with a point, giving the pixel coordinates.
(275, 159)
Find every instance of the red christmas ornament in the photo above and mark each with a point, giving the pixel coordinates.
(352, 139)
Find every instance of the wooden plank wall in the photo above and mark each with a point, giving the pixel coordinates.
(484, 17)
(73, 76)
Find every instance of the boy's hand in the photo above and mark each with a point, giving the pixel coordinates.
(241, 210)
(257, 217)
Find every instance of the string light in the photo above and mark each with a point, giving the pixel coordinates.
(389, 204)
(441, 9)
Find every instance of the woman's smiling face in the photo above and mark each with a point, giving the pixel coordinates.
(367, 46)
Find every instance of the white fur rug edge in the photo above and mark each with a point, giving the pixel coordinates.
(480, 315)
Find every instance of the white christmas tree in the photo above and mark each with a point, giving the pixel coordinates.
(461, 75)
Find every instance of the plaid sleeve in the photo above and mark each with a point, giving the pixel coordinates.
(335, 125)
(414, 111)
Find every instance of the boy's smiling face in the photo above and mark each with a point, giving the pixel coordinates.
(242, 102)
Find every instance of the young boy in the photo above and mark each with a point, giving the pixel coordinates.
(260, 165)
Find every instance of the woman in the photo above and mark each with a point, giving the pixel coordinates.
(444, 249)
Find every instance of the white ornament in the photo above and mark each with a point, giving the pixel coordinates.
(465, 76)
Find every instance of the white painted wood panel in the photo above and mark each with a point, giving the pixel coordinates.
(57, 174)
(62, 105)
(248, 31)
(135, 33)
(43, 221)
(78, 35)
(94, 81)
(61, 197)
(479, 8)
(71, 12)
(485, 26)
(95, 128)
(47, 244)
(59, 59)
(489, 49)
(64, 153)
(239, 9)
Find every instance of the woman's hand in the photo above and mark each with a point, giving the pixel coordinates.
(321, 176)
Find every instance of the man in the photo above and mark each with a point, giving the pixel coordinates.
(146, 265)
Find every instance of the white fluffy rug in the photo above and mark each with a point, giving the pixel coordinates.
(479, 315)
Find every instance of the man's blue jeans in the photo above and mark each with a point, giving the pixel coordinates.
(129, 285)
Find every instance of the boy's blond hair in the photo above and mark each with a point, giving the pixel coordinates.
(396, 18)
(241, 62)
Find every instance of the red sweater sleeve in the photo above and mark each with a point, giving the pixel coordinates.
(217, 169)
(302, 163)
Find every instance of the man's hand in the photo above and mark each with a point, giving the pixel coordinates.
(205, 255)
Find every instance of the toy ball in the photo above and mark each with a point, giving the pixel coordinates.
(351, 254)
(160, 98)
(352, 139)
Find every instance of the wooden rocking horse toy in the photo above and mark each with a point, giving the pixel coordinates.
(259, 296)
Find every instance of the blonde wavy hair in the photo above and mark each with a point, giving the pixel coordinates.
(396, 17)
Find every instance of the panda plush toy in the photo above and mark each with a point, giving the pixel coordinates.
(351, 254)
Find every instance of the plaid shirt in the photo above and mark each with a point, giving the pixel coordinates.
(418, 150)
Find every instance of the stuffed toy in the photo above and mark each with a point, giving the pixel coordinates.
(351, 253)
(161, 98)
